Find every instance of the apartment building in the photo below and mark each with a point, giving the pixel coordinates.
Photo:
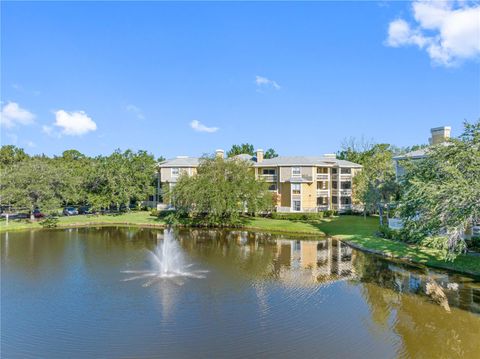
(300, 183)
(439, 135)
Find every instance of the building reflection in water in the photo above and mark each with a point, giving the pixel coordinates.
(307, 261)
(300, 262)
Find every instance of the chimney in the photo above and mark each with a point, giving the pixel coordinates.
(219, 153)
(330, 155)
(259, 155)
(439, 134)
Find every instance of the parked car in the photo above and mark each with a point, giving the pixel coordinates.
(37, 213)
(84, 210)
(70, 211)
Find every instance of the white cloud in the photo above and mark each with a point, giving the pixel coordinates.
(136, 111)
(31, 144)
(448, 31)
(73, 123)
(263, 82)
(12, 114)
(200, 127)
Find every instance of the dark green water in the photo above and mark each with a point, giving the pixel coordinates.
(64, 295)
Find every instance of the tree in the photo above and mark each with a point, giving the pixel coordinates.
(220, 192)
(120, 178)
(35, 183)
(375, 185)
(10, 154)
(244, 148)
(270, 153)
(441, 193)
(75, 166)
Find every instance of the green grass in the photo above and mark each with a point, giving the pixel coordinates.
(355, 230)
(139, 218)
(360, 232)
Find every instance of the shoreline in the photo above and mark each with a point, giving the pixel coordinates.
(366, 242)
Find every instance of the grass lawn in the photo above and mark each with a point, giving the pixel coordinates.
(360, 233)
(132, 218)
(356, 230)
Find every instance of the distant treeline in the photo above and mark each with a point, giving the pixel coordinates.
(73, 178)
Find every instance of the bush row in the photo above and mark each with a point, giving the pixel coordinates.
(303, 216)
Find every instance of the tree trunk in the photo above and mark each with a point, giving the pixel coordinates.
(380, 213)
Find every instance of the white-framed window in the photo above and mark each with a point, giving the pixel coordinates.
(296, 188)
(296, 205)
(296, 171)
(175, 172)
(268, 171)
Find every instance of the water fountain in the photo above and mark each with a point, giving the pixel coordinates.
(168, 261)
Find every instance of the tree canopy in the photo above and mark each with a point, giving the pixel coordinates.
(249, 149)
(75, 179)
(441, 193)
(375, 186)
(220, 192)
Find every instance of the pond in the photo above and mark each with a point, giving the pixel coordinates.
(123, 293)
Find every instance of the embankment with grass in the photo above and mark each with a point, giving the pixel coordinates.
(359, 232)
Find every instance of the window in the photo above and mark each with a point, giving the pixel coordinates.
(346, 185)
(296, 171)
(272, 187)
(334, 199)
(334, 184)
(322, 170)
(346, 171)
(268, 171)
(296, 188)
(296, 206)
(322, 201)
(334, 171)
(322, 185)
(346, 200)
(175, 172)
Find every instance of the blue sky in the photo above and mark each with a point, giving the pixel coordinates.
(299, 77)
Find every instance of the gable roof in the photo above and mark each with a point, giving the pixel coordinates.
(306, 161)
(183, 161)
(180, 161)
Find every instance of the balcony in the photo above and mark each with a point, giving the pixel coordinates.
(269, 178)
(323, 176)
(346, 192)
(300, 178)
(323, 193)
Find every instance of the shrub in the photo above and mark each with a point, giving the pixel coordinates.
(298, 216)
(154, 212)
(49, 222)
(386, 232)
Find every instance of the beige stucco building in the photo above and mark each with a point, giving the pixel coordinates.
(301, 184)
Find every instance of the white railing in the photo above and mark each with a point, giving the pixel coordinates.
(283, 209)
(476, 231)
(322, 192)
(323, 176)
(395, 223)
(269, 178)
(345, 192)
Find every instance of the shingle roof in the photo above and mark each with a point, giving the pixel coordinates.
(180, 162)
(414, 154)
(306, 161)
(277, 161)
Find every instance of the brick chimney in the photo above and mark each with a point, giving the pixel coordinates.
(219, 153)
(439, 134)
(259, 155)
